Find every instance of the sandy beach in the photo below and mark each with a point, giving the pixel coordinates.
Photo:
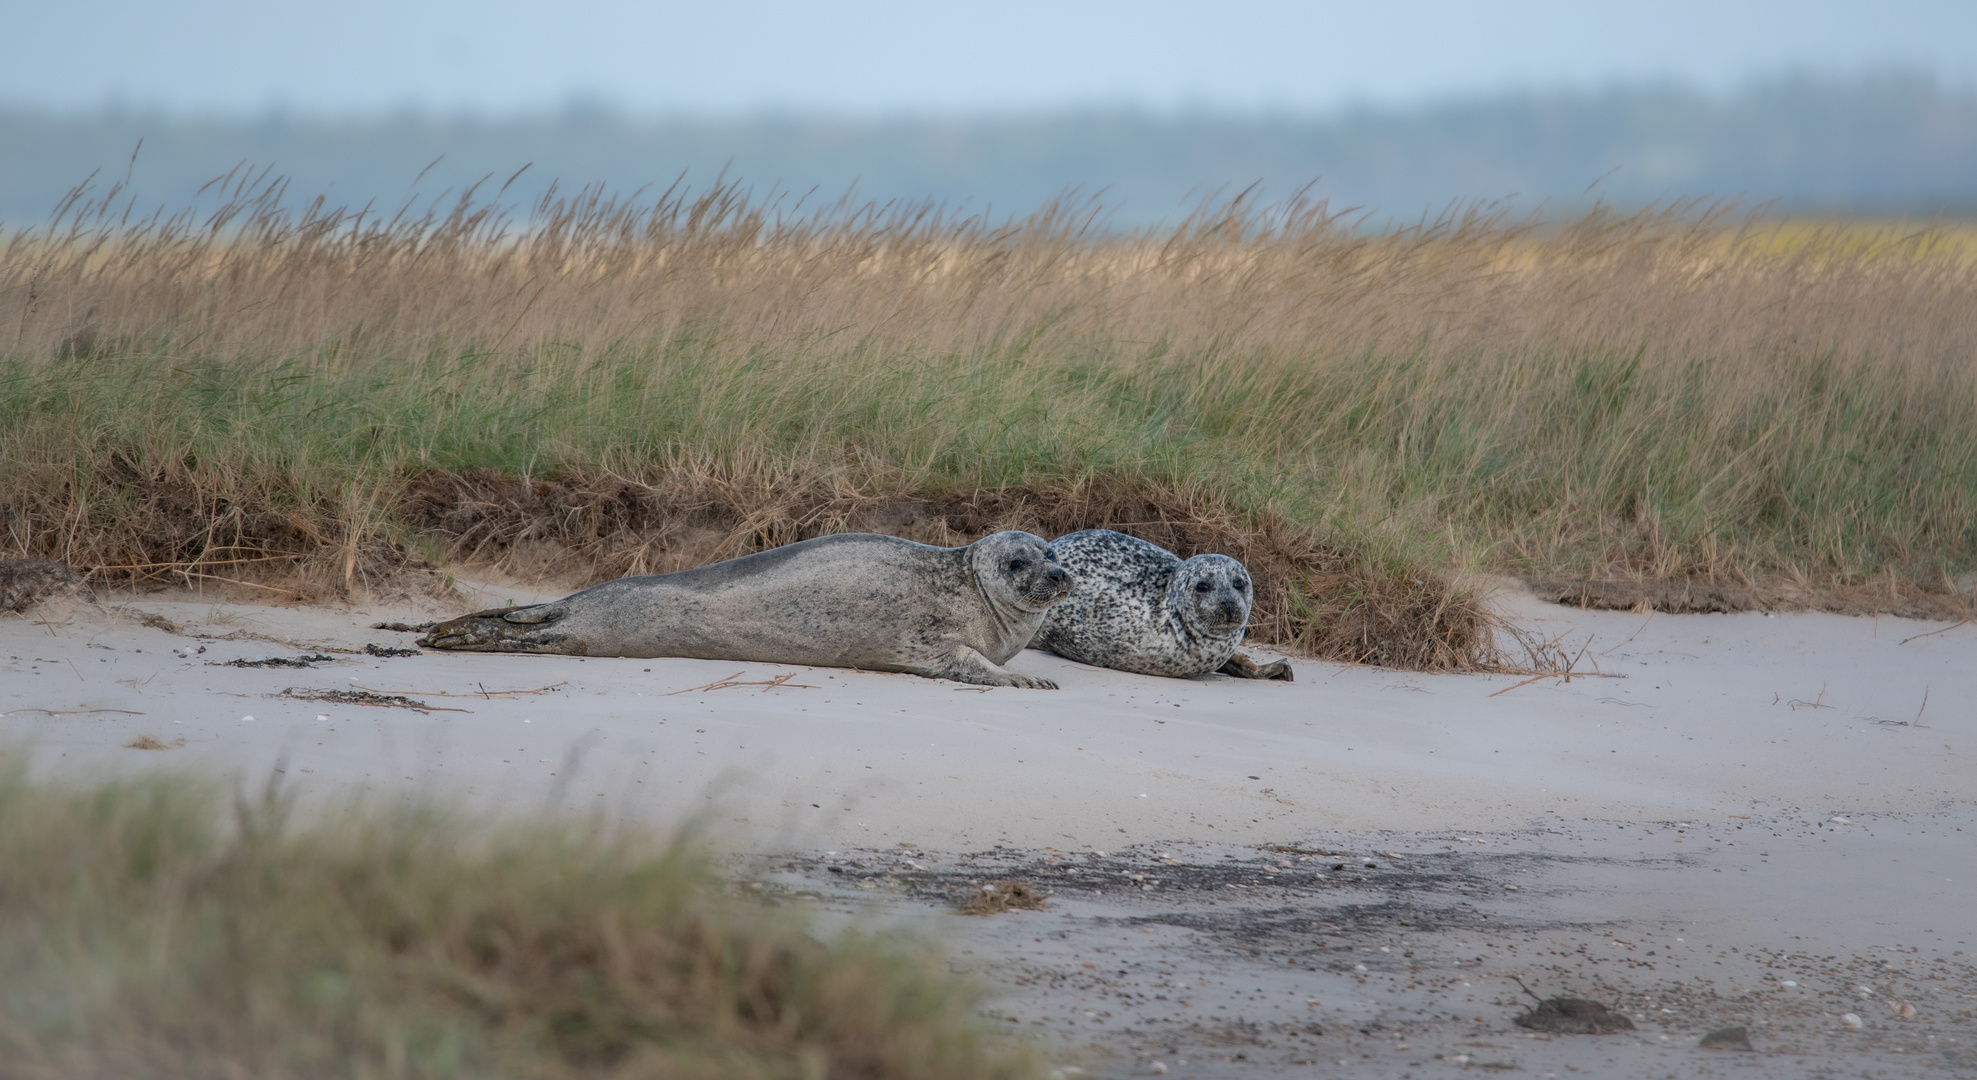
(1754, 820)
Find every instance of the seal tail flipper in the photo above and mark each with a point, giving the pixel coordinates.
(501, 630)
(1242, 667)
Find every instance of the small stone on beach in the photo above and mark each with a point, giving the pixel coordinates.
(1729, 1038)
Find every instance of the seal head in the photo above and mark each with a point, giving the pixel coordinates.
(1211, 596)
(1018, 572)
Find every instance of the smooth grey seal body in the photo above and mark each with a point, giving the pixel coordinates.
(1138, 607)
(855, 600)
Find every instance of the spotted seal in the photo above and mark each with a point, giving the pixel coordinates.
(854, 600)
(1136, 606)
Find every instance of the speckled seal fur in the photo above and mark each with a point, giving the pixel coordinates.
(1138, 607)
(854, 600)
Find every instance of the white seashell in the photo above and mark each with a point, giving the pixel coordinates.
(1852, 1020)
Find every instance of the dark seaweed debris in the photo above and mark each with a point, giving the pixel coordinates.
(1570, 1016)
(308, 660)
(361, 697)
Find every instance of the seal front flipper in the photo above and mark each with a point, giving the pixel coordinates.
(966, 665)
(1242, 667)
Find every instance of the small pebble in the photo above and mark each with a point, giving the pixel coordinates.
(322, 716)
(1158, 1068)
(1359, 967)
(247, 719)
(1788, 982)
(1852, 1020)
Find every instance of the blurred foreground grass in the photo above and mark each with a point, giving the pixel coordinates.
(148, 928)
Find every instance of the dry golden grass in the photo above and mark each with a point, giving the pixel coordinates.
(289, 399)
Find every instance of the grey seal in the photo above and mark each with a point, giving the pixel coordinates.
(854, 600)
(1138, 607)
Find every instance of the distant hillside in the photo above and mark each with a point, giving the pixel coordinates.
(1889, 144)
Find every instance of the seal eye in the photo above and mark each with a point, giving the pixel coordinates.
(1241, 584)
(1202, 586)
(1019, 564)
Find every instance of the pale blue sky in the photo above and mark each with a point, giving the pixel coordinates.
(864, 57)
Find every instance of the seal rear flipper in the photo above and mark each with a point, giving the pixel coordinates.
(1242, 667)
(496, 631)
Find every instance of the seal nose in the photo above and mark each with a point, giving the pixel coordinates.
(1055, 573)
(1228, 611)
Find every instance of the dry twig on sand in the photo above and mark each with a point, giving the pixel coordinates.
(1933, 633)
(1551, 661)
(734, 680)
(483, 692)
(70, 712)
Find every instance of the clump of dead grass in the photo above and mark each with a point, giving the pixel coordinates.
(997, 897)
(25, 582)
(148, 932)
